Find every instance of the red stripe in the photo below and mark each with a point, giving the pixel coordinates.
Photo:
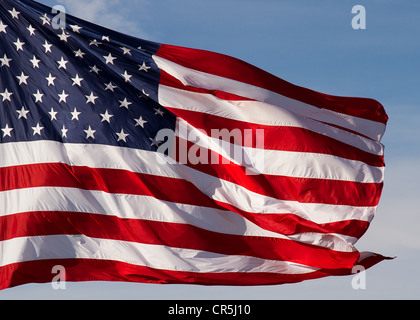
(289, 224)
(229, 67)
(168, 80)
(306, 190)
(121, 181)
(108, 180)
(371, 259)
(280, 138)
(175, 235)
(105, 270)
(40, 271)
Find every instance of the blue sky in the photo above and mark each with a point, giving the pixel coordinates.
(311, 44)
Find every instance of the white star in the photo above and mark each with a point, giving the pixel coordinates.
(14, 13)
(3, 27)
(90, 133)
(122, 135)
(47, 46)
(144, 93)
(5, 61)
(75, 28)
(19, 44)
(62, 63)
(31, 30)
(6, 95)
(143, 67)
(77, 80)
(109, 59)
(140, 122)
(38, 96)
(79, 53)
(126, 76)
(158, 111)
(37, 129)
(7, 130)
(50, 79)
(63, 36)
(75, 115)
(53, 114)
(63, 97)
(22, 113)
(22, 78)
(94, 42)
(110, 86)
(64, 131)
(91, 98)
(106, 116)
(45, 19)
(154, 142)
(126, 50)
(94, 69)
(35, 62)
(124, 103)
(105, 38)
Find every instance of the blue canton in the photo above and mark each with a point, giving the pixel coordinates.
(78, 84)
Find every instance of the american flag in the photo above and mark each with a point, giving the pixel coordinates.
(92, 179)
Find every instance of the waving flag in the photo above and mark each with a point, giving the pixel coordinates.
(123, 159)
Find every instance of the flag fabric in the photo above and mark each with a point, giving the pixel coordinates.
(123, 159)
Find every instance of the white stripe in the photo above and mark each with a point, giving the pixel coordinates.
(91, 155)
(260, 113)
(284, 163)
(273, 162)
(148, 208)
(127, 206)
(102, 156)
(154, 256)
(191, 77)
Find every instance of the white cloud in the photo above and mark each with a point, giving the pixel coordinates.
(108, 13)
